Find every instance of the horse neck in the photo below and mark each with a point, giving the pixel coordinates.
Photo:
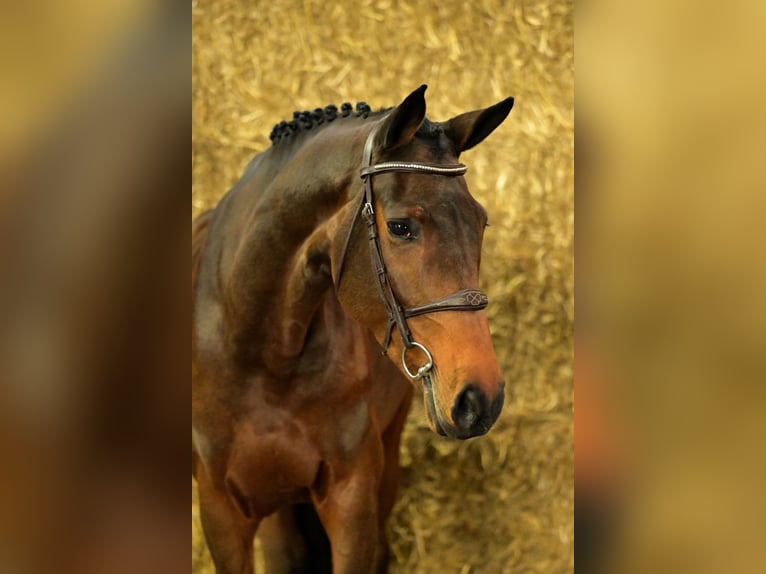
(282, 268)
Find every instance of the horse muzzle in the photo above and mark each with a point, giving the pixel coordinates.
(472, 413)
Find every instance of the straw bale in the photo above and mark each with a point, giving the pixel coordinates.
(502, 503)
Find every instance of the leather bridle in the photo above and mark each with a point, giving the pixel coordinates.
(463, 300)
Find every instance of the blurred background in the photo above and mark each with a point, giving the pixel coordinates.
(671, 321)
(94, 392)
(504, 502)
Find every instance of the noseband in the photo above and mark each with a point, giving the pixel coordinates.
(463, 300)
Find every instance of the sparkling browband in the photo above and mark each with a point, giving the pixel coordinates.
(448, 169)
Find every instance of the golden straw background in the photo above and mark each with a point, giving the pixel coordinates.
(504, 502)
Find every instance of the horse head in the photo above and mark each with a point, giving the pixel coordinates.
(427, 231)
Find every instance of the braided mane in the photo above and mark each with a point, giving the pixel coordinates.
(305, 120)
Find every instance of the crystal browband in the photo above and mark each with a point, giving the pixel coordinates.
(442, 169)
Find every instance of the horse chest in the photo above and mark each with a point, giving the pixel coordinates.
(270, 465)
(277, 453)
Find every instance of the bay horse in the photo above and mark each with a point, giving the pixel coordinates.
(320, 303)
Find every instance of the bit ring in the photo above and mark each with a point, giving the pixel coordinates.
(423, 369)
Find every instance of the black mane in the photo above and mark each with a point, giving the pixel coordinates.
(305, 120)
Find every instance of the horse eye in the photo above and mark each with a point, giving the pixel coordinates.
(400, 229)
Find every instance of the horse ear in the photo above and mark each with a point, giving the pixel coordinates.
(401, 124)
(469, 129)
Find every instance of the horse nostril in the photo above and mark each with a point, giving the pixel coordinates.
(470, 407)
